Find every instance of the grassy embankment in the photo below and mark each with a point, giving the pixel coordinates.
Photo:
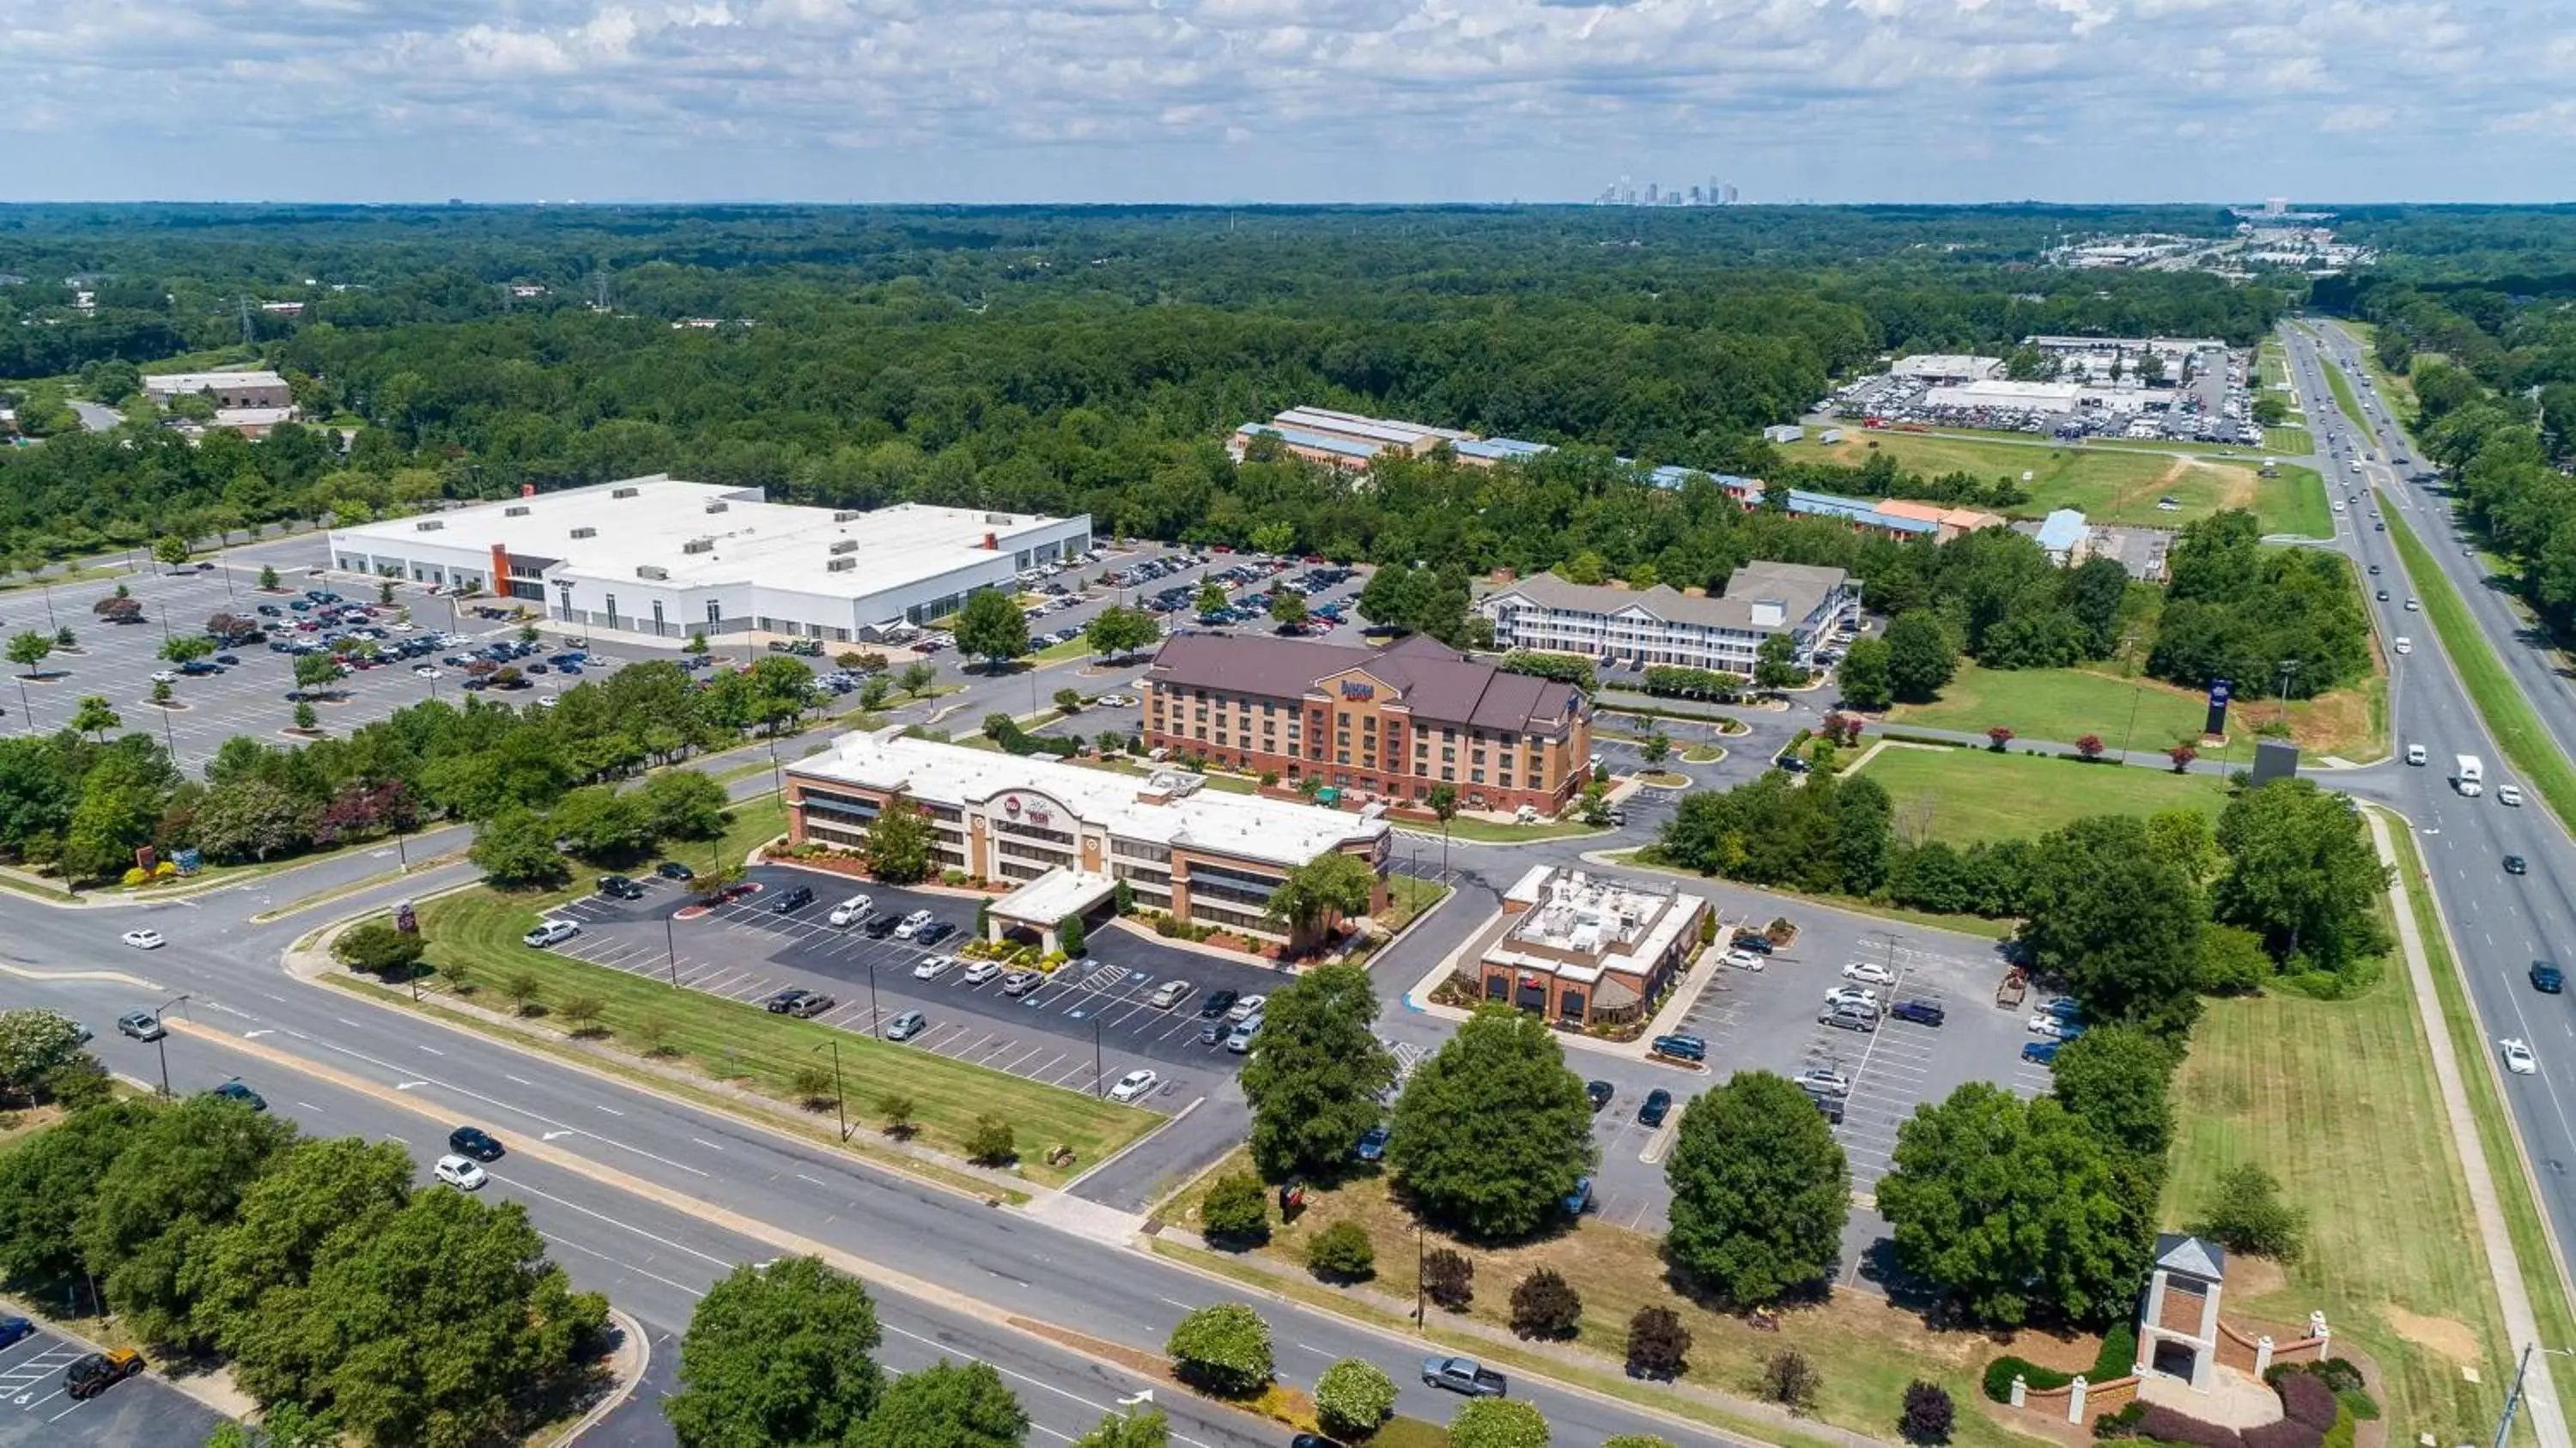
(2065, 704)
(2109, 482)
(1966, 795)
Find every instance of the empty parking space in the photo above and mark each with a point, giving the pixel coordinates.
(1089, 1023)
(35, 1409)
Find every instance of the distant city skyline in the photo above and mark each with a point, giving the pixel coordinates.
(1244, 101)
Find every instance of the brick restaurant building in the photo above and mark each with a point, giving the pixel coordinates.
(1388, 722)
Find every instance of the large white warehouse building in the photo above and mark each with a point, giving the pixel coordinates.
(658, 556)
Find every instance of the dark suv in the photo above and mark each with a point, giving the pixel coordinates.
(620, 887)
(880, 926)
(2547, 978)
(1920, 1012)
(794, 900)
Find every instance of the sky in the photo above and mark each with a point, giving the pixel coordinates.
(1221, 101)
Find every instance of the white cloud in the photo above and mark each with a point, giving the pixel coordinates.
(1287, 99)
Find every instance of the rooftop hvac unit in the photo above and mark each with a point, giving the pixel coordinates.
(585, 532)
(514, 511)
(430, 526)
(624, 492)
(699, 545)
(846, 545)
(997, 518)
(652, 571)
(717, 507)
(840, 565)
(843, 515)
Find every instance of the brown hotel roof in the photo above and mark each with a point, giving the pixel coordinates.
(1435, 681)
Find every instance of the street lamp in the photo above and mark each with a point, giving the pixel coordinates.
(1099, 1087)
(2513, 1396)
(1421, 1258)
(671, 949)
(161, 1036)
(840, 1104)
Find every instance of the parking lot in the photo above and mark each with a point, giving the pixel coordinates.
(117, 661)
(745, 951)
(35, 1410)
(1767, 1020)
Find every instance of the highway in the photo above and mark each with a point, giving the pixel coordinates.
(2501, 922)
(648, 1198)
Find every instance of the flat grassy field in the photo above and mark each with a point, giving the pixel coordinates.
(2111, 483)
(479, 930)
(2337, 1100)
(2066, 704)
(2527, 744)
(2293, 441)
(1865, 1349)
(1966, 795)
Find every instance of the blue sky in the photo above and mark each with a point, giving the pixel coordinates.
(1285, 100)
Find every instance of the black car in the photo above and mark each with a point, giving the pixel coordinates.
(475, 1142)
(1600, 1092)
(1650, 1112)
(2514, 865)
(620, 887)
(2546, 978)
(794, 900)
(933, 933)
(1753, 940)
(1920, 1012)
(674, 870)
(880, 926)
(1219, 1003)
(236, 1091)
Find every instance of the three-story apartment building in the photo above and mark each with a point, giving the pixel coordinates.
(1662, 625)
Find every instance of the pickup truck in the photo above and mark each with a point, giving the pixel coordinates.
(1463, 1375)
(2015, 987)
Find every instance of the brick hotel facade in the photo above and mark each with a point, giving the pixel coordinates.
(1390, 723)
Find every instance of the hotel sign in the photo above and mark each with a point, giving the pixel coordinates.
(1358, 689)
(1035, 809)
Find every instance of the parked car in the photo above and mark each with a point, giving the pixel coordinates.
(851, 911)
(94, 1373)
(906, 1026)
(475, 1142)
(1579, 1200)
(1021, 982)
(1134, 1086)
(932, 967)
(1755, 941)
(1217, 1004)
(1869, 972)
(1239, 1040)
(1600, 1093)
(1464, 1375)
(12, 1329)
(793, 901)
(1170, 993)
(1681, 1047)
(1246, 1007)
(1745, 960)
(978, 972)
(911, 924)
(878, 927)
(1852, 995)
(1848, 1017)
(1652, 1110)
(1372, 1144)
(550, 933)
(800, 1003)
(1920, 1012)
(460, 1173)
(933, 933)
(1825, 1079)
(620, 887)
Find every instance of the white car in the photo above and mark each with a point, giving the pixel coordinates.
(2413, 607)
(2518, 1058)
(982, 971)
(1134, 1085)
(932, 967)
(550, 932)
(851, 911)
(1869, 972)
(1745, 960)
(2509, 794)
(1246, 1008)
(2052, 1026)
(1116, 701)
(426, 671)
(460, 1172)
(1851, 995)
(2404, 645)
(911, 925)
(164, 676)
(1825, 1080)
(144, 939)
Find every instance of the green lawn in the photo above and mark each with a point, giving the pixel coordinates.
(2504, 1161)
(2294, 441)
(1492, 832)
(2111, 483)
(2066, 704)
(2337, 1100)
(1966, 795)
(2507, 714)
(479, 930)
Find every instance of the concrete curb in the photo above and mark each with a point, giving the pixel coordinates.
(626, 1386)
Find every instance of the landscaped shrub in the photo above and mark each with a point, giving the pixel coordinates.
(1341, 1253)
(2118, 1357)
(1546, 1305)
(1929, 1414)
(2167, 1426)
(2122, 1424)
(1449, 1279)
(2288, 1433)
(2342, 1375)
(2001, 1372)
(2306, 1399)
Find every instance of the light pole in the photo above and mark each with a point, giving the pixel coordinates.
(840, 1104)
(2513, 1396)
(1421, 1257)
(671, 950)
(875, 1016)
(161, 1036)
(1099, 1087)
(2287, 667)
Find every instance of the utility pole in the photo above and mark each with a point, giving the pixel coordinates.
(2288, 667)
(840, 1102)
(161, 1037)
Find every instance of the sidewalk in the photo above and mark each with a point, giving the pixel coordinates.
(2548, 1418)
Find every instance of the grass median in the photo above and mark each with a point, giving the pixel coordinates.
(2508, 715)
(477, 931)
(2522, 1219)
(2343, 396)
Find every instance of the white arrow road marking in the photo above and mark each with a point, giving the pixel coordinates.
(408, 1085)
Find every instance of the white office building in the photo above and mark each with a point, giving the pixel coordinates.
(667, 558)
(1662, 625)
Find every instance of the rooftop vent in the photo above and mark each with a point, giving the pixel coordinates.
(624, 492)
(514, 511)
(699, 545)
(653, 571)
(717, 507)
(998, 518)
(840, 565)
(430, 526)
(585, 532)
(843, 515)
(846, 545)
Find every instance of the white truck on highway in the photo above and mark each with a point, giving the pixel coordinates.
(2468, 775)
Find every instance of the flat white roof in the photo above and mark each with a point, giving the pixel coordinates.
(704, 535)
(1054, 895)
(200, 381)
(1246, 826)
(1946, 364)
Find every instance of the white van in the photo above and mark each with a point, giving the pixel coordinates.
(851, 911)
(2415, 754)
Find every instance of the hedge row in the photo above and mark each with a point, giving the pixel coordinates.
(2117, 1359)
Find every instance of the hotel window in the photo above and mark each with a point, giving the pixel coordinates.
(715, 611)
(1475, 776)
